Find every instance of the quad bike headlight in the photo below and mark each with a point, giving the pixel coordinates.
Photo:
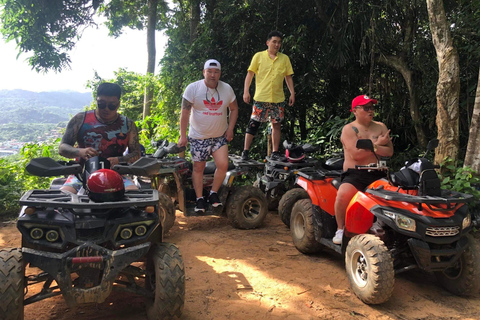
(140, 230)
(36, 233)
(52, 235)
(467, 221)
(126, 233)
(401, 221)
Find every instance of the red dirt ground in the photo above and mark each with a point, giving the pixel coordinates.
(258, 274)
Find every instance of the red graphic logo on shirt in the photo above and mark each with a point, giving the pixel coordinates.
(212, 104)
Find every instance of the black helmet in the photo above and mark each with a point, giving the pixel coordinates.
(295, 154)
(405, 178)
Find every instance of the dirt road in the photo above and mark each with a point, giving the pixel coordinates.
(258, 274)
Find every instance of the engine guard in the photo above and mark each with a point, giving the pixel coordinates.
(61, 265)
(429, 259)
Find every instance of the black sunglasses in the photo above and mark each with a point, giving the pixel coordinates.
(366, 108)
(102, 105)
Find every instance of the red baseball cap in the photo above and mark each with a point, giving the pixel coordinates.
(361, 101)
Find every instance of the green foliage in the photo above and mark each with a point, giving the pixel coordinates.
(461, 179)
(14, 180)
(47, 28)
(131, 14)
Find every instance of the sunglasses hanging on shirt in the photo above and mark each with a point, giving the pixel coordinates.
(213, 96)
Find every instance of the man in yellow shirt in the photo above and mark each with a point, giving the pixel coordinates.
(270, 68)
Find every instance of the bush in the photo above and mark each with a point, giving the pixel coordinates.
(14, 180)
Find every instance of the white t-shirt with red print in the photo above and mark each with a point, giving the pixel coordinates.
(208, 118)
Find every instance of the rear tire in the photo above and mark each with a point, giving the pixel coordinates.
(165, 279)
(463, 278)
(12, 280)
(287, 201)
(246, 207)
(166, 212)
(302, 227)
(369, 267)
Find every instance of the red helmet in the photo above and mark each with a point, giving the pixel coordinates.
(105, 185)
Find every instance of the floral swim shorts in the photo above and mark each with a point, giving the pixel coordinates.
(202, 149)
(263, 111)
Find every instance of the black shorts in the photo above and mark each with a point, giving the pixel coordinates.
(361, 179)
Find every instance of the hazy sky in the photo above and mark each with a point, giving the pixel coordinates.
(95, 51)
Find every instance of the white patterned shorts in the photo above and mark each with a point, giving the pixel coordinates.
(202, 149)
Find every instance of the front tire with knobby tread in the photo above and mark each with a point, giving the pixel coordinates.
(246, 207)
(369, 267)
(12, 281)
(287, 201)
(166, 281)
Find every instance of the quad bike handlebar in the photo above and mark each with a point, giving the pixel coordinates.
(48, 167)
(164, 148)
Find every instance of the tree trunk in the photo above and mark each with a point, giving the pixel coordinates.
(448, 86)
(194, 19)
(151, 27)
(472, 157)
(401, 66)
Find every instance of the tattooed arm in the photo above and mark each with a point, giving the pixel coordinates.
(184, 118)
(69, 139)
(134, 151)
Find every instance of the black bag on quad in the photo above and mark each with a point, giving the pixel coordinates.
(89, 243)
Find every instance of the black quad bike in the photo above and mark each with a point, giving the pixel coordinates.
(87, 245)
(244, 205)
(403, 222)
(279, 176)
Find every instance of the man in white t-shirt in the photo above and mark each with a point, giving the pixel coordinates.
(204, 106)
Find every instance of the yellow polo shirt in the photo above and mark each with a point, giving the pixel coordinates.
(269, 75)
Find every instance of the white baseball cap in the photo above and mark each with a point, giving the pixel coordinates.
(212, 64)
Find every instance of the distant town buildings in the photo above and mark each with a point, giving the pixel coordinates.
(8, 148)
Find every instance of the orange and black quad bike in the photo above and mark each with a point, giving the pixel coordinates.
(402, 222)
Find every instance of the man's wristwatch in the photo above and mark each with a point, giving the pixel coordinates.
(375, 148)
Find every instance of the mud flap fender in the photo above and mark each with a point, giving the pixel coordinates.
(359, 218)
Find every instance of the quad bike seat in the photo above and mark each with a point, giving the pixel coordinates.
(210, 167)
(336, 182)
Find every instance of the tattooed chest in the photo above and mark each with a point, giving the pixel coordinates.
(365, 134)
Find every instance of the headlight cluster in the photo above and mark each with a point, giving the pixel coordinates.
(403, 222)
(51, 235)
(139, 229)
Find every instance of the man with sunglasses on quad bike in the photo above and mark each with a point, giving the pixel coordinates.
(204, 106)
(101, 132)
(363, 127)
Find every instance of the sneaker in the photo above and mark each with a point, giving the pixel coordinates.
(201, 205)
(277, 156)
(245, 155)
(338, 237)
(214, 200)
